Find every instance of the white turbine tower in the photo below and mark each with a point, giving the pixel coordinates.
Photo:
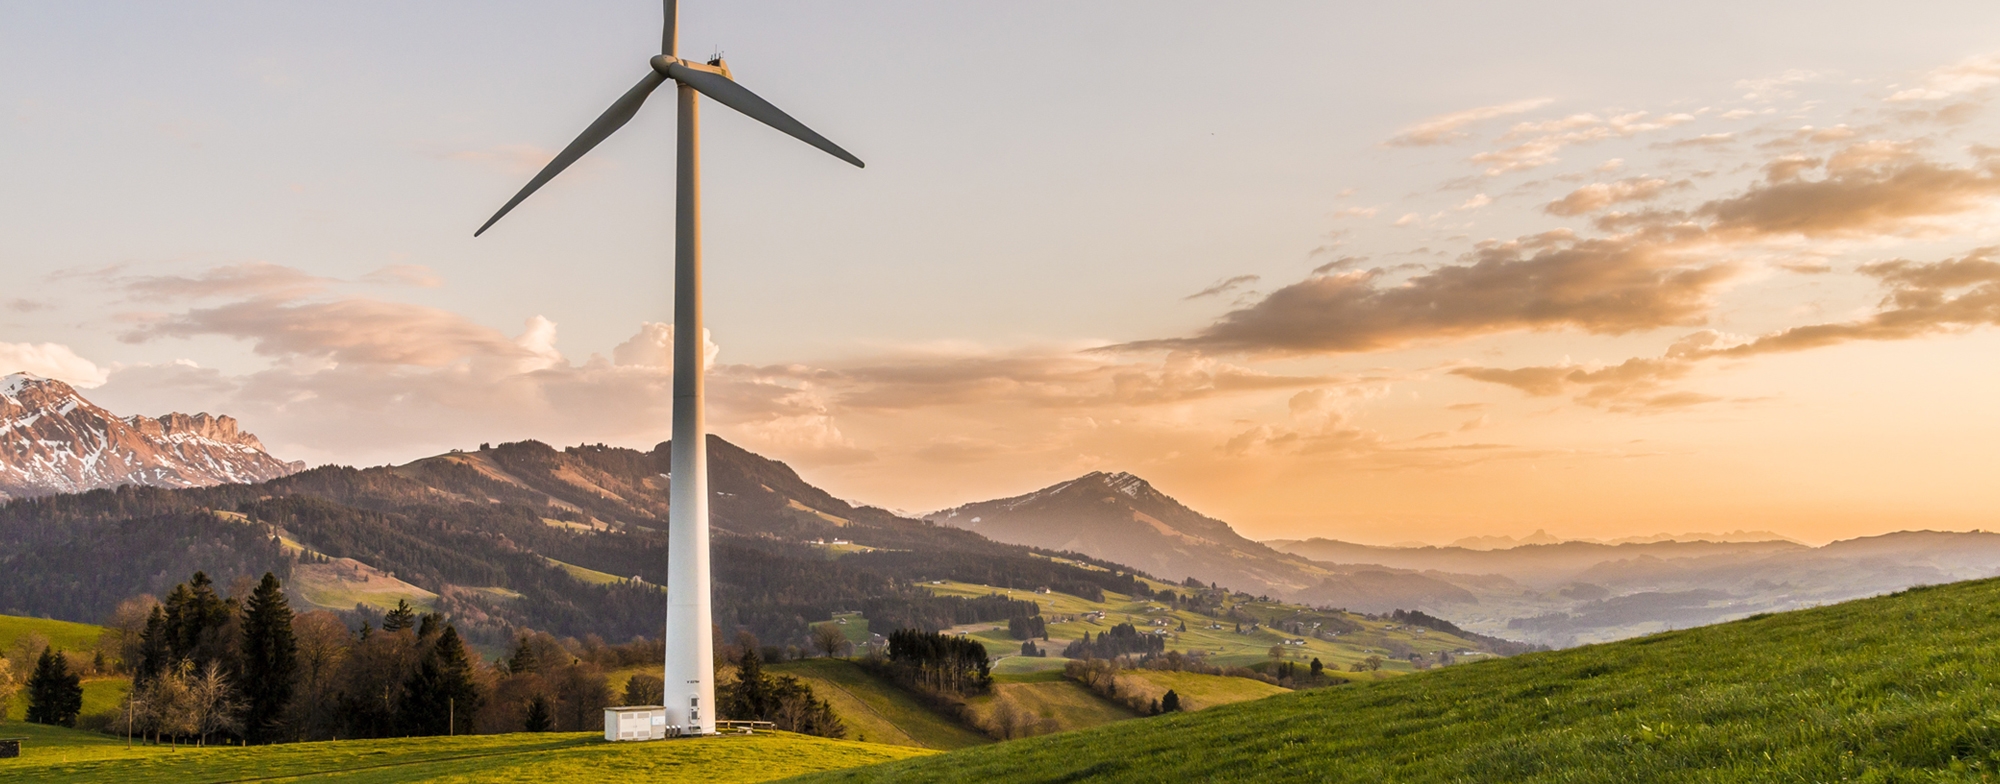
(690, 666)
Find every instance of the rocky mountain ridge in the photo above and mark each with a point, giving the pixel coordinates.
(53, 440)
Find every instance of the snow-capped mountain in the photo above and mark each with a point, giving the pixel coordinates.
(52, 440)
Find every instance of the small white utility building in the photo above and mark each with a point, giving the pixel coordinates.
(638, 722)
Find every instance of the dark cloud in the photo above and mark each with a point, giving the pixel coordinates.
(1855, 199)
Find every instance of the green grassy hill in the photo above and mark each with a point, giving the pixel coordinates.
(878, 711)
(1222, 645)
(53, 754)
(100, 695)
(1896, 688)
(61, 634)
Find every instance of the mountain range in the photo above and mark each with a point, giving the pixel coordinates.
(52, 440)
(572, 541)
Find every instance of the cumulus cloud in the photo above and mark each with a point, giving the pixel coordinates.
(1599, 195)
(1446, 128)
(1223, 286)
(654, 347)
(51, 360)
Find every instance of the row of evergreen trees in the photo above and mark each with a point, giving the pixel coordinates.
(938, 662)
(1121, 640)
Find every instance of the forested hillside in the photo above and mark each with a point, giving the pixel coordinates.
(500, 536)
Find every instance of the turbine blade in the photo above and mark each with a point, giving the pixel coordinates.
(609, 122)
(669, 37)
(727, 92)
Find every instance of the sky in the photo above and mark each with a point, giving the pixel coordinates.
(1376, 272)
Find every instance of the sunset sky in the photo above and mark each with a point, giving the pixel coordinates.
(1374, 272)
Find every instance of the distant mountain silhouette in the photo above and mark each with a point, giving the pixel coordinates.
(1122, 518)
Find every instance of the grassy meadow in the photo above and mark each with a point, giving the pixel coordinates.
(1222, 646)
(1896, 688)
(877, 711)
(54, 754)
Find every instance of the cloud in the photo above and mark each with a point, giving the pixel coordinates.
(1869, 189)
(1920, 300)
(20, 305)
(251, 279)
(1223, 287)
(1553, 280)
(1054, 380)
(1597, 196)
(348, 331)
(416, 275)
(654, 347)
(1771, 87)
(1478, 200)
(1321, 422)
(1536, 143)
(1446, 128)
(51, 360)
(1971, 75)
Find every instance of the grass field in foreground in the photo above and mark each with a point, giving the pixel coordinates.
(523, 757)
(877, 711)
(1896, 688)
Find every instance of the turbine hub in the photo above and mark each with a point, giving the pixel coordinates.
(661, 62)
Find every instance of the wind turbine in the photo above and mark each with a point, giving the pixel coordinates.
(689, 695)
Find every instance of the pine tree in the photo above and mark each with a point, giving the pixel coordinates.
(270, 660)
(442, 692)
(1317, 668)
(403, 617)
(538, 718)
(155, 648)
(55, 695)
(1171, 703)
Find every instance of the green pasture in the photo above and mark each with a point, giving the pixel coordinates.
(70, 756)
(878, 711)
(1899, 688)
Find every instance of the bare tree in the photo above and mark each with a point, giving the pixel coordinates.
(828, 638)
(9, 684)
(213, 701)
(121, 639)
(323, 646)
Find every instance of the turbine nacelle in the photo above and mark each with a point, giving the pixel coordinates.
(664, 65)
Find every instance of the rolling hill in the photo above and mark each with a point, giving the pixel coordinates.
(515, 535)
(1893, 688)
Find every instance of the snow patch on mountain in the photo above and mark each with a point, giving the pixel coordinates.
(52, 440)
